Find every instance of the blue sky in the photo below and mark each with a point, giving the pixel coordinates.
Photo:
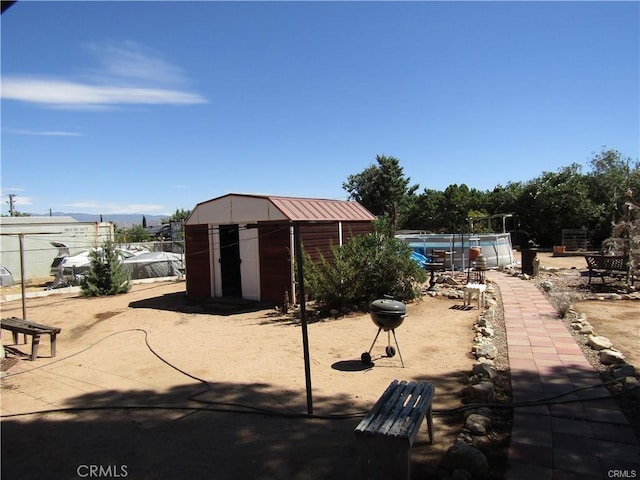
(146, 107)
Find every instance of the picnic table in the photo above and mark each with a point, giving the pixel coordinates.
(17, 325)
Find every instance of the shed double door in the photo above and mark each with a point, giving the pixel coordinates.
(231, 278)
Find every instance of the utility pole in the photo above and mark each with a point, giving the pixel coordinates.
(12, 204)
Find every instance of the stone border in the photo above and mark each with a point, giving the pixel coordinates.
(604, 353)
(481, 430)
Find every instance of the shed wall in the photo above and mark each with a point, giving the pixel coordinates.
(317, 239)
(197, 261)
(275, 262)
(270, 275)
(235, 209)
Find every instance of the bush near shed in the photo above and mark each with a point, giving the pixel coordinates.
(365, 268)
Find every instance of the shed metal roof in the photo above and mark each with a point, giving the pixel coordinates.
(316, 209)
(239, 208)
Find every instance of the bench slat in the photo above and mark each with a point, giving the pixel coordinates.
(401, 415)
(414, 413)
(399, 412)
(387, 432)
(372, 420)
(17, 323)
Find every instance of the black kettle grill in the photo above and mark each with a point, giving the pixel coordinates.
(388, 315)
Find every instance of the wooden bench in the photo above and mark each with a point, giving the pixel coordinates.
(17, 326)
(386, 434)
(607, 266)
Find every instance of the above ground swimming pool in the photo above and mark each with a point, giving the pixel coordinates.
(496, 247)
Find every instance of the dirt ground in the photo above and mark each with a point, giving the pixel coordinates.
(240, 372)
(214, 357)
(618, 320)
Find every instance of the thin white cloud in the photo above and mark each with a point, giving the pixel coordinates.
(112, 207)
(127, 74)
(64, 93)
(136, 63)
(20, 200)
(45, 133)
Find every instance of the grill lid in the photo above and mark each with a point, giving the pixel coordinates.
(385, 305)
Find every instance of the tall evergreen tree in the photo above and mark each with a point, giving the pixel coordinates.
(106, 275)
(382, 189)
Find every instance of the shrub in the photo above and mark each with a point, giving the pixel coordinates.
(563, 301)
(365, 268)
(105, 276)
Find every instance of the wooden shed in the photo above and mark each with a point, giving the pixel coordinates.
(242, 245)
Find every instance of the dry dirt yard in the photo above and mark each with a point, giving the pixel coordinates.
(618, 320)
(213, 358)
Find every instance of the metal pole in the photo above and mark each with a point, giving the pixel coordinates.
(303, 317)
(22, 278)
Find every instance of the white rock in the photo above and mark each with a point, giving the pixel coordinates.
(478, 424)
(461, 456)
(484, 370)
(487, 331)
(546, 285)
(599, 343)
(482, 392)
(487, 350)
(609, 356)
(485, 361)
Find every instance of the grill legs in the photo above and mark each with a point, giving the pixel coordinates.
(366, 356)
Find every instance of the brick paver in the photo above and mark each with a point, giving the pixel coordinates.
(585, 439)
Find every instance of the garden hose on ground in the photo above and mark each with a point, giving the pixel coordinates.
(227, 407)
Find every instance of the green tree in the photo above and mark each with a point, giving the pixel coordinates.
(610, 178)
(504, 199)
(180, 215)
(106, 275)
(553, 201)
(456, 204)
(424, 212)
(382, 189)
(365, 268)
(135, 234)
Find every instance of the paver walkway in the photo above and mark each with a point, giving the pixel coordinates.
(587, 439)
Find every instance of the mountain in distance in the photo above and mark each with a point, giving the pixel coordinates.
(123, 220)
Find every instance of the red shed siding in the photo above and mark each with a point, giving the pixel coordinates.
(317, 239)
(197, 261)
(352, 229)
(275, 263)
